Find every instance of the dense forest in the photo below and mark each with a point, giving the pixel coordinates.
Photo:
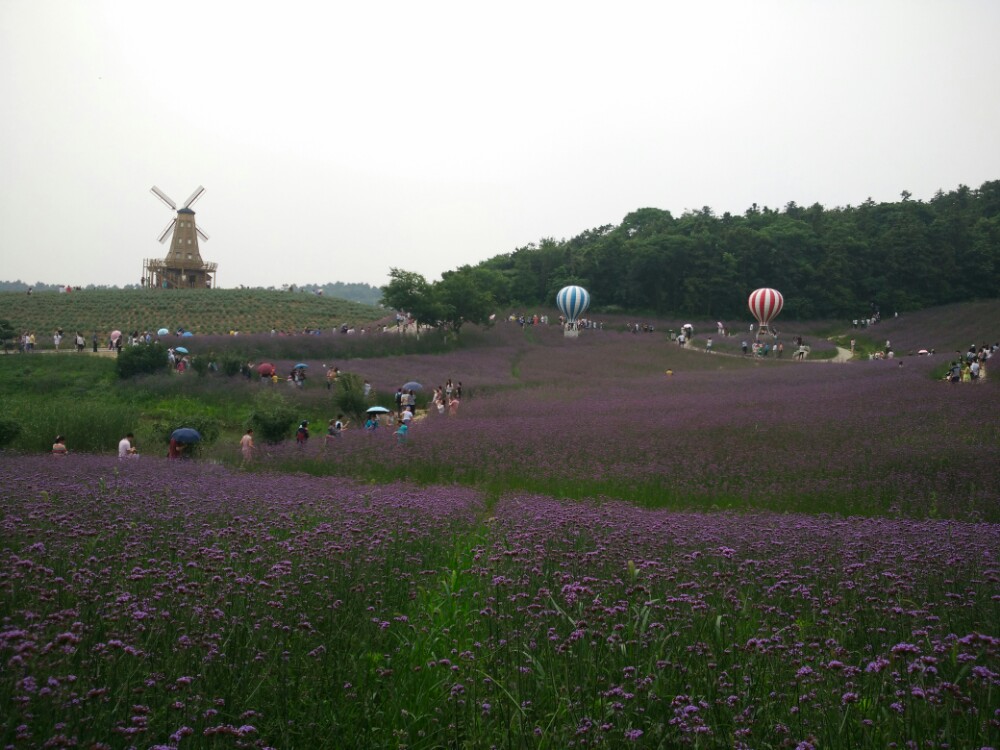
(827, 262)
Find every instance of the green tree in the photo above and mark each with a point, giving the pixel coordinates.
(410, 292)
(465, 296)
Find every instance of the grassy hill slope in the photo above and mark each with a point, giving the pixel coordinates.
(202, 311)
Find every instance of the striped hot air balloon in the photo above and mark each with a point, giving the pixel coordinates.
(765, 304)
(572, 302)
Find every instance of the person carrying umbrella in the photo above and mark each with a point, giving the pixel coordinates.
(180, 441)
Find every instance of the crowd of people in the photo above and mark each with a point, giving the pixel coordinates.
(971, 366)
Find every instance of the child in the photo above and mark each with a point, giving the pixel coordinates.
(247, 446)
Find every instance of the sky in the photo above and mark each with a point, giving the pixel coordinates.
(337, 141)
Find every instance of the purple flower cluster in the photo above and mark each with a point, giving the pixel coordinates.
(600, 416)
(149, 603)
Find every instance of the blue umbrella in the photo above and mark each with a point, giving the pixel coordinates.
(185, 435)
(413, 385)
(162, 332)
(187, 334)
(301, 366)
(181, 349)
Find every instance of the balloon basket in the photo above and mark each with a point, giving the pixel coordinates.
(571, 333)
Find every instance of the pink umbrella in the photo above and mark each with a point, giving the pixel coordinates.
(116, 335)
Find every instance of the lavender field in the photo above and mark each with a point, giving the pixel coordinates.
(600, 417)
(591, 553)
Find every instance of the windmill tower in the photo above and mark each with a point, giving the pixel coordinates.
(183, 267)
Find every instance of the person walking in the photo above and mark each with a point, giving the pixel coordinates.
(246, 446)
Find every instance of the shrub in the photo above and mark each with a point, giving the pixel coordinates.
(230, 365)
(9, 430)
(349, 396)
(272, 417)
(200, 365)
(145, 359)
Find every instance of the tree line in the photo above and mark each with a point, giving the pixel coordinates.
(828, 263)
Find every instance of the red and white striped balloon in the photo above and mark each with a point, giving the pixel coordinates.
(765, 304)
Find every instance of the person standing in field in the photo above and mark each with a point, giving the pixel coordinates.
(302, 434)
(333, 429)
(247, 446)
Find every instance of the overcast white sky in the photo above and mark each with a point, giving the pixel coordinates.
(337, 140)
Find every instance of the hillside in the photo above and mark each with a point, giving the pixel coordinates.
(828, 262)
(202, 311)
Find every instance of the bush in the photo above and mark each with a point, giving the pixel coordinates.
(230, 365)
(200, 365)
(145, 359)
(349, 396)
(272, 417)
(9, 430)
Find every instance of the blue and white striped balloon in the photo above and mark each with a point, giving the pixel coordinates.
(573, 302)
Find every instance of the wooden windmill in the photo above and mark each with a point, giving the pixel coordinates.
(183, 267)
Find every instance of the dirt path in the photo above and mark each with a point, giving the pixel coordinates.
(843, 355)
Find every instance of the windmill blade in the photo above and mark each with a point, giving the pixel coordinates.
(194, 196)
(167, 231)
(201, 233)
(163, 197)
